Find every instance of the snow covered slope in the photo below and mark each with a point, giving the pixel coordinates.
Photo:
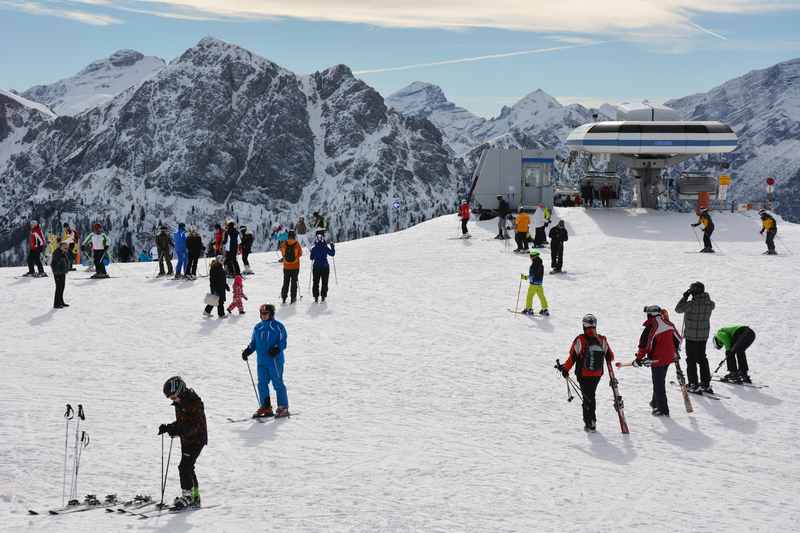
(96, 84)
(422, 404)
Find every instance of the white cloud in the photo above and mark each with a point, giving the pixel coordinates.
(36, 8)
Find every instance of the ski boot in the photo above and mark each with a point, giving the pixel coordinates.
(195, 496)
(527, 311)
(745, 377)
(731, 377)
(264, 412)
(281, 412)
(658, 412)
(316, 300)
(707, 389)
(544, 312)
(323, 299)
(694, 388)
(184, 501)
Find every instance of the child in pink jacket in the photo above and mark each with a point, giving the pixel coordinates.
(238, 294)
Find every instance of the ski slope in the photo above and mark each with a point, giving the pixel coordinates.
(421, 403)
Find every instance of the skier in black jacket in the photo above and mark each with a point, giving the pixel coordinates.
(194, 245)
(558, 236)
(502, 214)
(218, 284)
(190, 426)
(231, 247)
(246, 239)
(60, 264)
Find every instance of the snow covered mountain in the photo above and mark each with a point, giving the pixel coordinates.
(96, 84)
(223, 132)
(763, 107)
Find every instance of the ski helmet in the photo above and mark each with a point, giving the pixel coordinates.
(267, 309)
(534, 253)
(174, 386)
(652, 310)
(589, 321)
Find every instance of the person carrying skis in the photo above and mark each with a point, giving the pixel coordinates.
(502, 214)
(36, 244)
(321, 270)
(535, 278)
(696, 330)
(463, 215)
(736, 340)
(99, 243)
(238, 294)
(218, 285)
(659, 344)
(290, 253)
(588, 353)
(269, 342)
(539, 239)
(195, 249)
(179, 238)
(558, 236)
(521, 231)
(769, 225)
(246, 246)
(708, 228)
(60, 264)
(231, 246)
(190, 426)
(164, 246)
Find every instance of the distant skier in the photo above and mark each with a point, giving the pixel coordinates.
(36, 245)
(269, 341)
(218, 236)
(231, 246)
(246, 246)
(318, 221)
(60, 264)
(238, 295)
(164, 246)
(70, 236)
(736, 340)
(540, 221)
(502, 214)
(696, 330)
(301, 230)
(179, 238)
(195, 249)
(588, 353)
(99, 243)
(463, 215)
(290, 251)
(190, 426)
(521, 230)
(218, 285)
(658, 343)
(321, 270)
(535, 279)
(558, 236)
(769, 225)
(708, 228)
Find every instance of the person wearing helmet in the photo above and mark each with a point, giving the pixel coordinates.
(99, 243)
(696, 329)
(36, 245)
(535, 278)
(269, 342)
(190, 427)
(769, 225)
(502, 214)
(522, 223)
(164, 246)
(588, 353)
(708, 228)
(558, 236)
(321, 270)
(736, 340)
(463, 215)
(658, 343)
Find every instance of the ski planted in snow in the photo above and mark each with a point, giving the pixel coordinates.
(619, 406)
(687, 403)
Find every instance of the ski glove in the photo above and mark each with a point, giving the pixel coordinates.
(274, 351)
(246, 353)
(564, 371)
(637, 362)
(162, 429)
(687, 293)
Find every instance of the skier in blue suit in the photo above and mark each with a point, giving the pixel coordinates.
(269, 342)
(180, 250)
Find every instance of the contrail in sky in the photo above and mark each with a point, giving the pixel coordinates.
(478, 58)
(706, 30)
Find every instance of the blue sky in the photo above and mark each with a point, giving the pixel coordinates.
(576, 50)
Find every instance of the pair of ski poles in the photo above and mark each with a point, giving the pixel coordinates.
(81, 442)
(571, 385)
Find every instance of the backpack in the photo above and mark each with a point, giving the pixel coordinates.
(593, 354)
(289, 253)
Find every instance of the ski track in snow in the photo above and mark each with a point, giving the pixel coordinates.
(426, 406)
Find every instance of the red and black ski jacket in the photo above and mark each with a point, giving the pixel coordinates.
(659, 341)
(588, 353)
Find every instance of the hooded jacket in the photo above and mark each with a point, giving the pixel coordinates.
(659, 341)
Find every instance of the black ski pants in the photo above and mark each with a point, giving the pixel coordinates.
(556, 255)
(61, 280)
(464, 226)
(321, 274)
(501, 227)
(290, 278)
(771, 239)
(659, 375)
(164, 257)
(707, 238)
(696, 357)
(220, 308)
(588, 388)
(192, 267)
(186, 467)
(35, 259)
(522, 240)
(231, 264)
(245, 255)
(99, 266)
(742, 340)
(539, 238)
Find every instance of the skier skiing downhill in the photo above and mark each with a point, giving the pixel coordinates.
(588, 353)
(321, 270)
(463, 214)
(558, 236)
(180, 250)
(697, 327)
(708, 228)
(769, 225)
(535, 277)
(190, 426)
(736, 340)
(36, 245)
(269, 342)
(658, 343)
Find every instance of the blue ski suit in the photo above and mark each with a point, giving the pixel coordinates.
(180, 250)
(266, 334)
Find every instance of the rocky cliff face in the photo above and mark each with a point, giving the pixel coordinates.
(222, 132)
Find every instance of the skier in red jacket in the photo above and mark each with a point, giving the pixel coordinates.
(36, 243)
(588, 353)
(658, 343)
(463, 214)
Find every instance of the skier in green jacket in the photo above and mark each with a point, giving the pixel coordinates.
(736, 339)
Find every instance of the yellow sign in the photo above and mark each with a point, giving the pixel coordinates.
(725, 179)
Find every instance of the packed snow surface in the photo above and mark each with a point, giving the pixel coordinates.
(421, 403)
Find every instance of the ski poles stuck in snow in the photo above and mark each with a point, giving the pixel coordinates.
(68, 415)
(164, 472)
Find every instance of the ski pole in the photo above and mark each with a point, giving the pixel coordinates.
(68, 415)
(566, 381)
(335, 277)
(166, 472)
(309, 279)
(84, 444)
(720, 365)
(74, 482)
(694, 230)
(519, 289)
(258, 399)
